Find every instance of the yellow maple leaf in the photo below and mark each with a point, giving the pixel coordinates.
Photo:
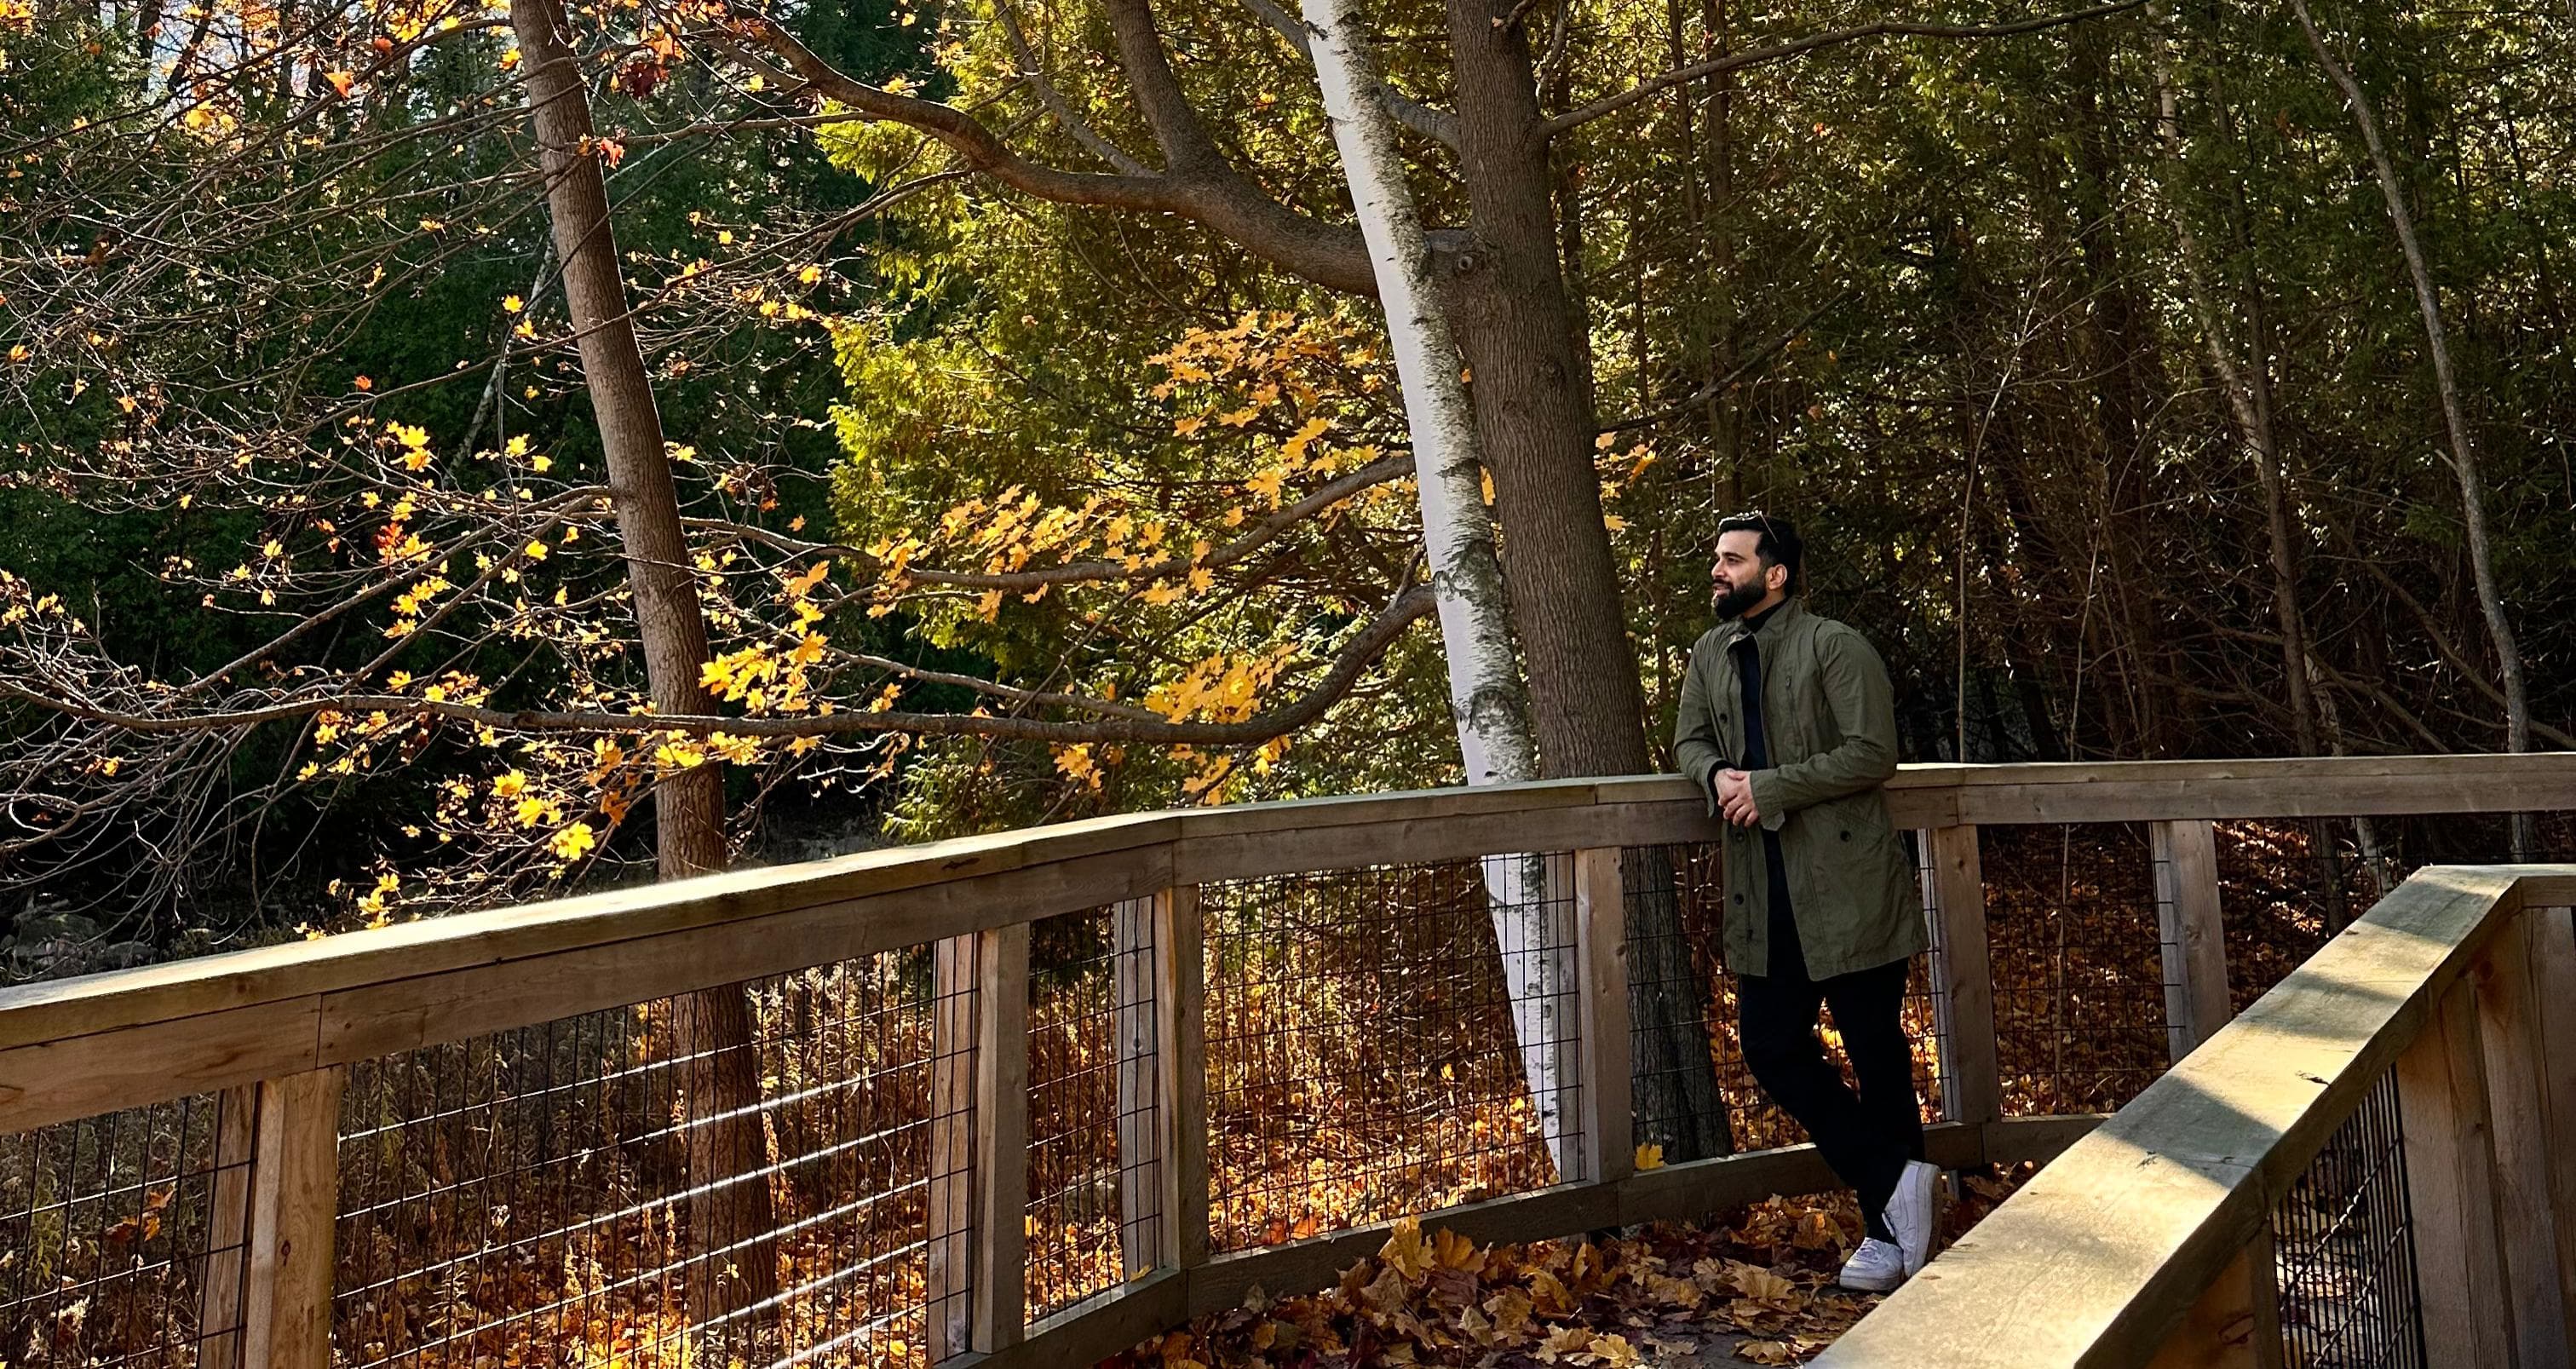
(1405, 1251)
(1650, 1157)
(572, 841)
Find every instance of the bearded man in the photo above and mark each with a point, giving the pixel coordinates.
(1788, 724)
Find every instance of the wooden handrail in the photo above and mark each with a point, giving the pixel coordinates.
(2105, 1255)
(260, 1025)
(875, 900)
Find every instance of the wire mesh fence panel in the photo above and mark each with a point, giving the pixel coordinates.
(123, 1237)
(1094, 1208)
(2285, 886)
(1683, 1011)
(2343, 1249)
(744, 1174)
(1372, 1040)
(2075, 948)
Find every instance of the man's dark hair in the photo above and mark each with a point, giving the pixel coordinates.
(1780, 544)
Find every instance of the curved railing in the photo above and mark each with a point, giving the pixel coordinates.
(1247, 1038)
(2374, 1164)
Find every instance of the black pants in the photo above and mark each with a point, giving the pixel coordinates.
(1867, 1139)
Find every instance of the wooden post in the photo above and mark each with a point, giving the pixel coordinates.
(2237, 1323)
(227, 1269)
(954, 1033)
(1002, 1139)
(2451, 1189)
(2515, 1054)
(1180, 1005)
(1968, 1053)
(2195, 937)
(1601, 978)
(294, 1204)
(2549, 941)
(1141, 1097)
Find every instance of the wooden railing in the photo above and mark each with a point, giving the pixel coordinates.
(273, 1034)
(2375, 1164)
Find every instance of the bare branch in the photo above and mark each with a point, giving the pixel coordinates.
(1439, 125)
(1608, 105)
(1353, 661)
(1054, 100)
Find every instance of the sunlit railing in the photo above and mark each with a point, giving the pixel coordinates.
(2369, 1167)
(1032, 1097)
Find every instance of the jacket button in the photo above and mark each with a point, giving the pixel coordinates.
(1739, 900)
(1846, 836)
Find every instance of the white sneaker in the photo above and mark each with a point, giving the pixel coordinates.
(1910, 1213)
(1874, 1268)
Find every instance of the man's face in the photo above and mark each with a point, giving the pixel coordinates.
(1737, 579)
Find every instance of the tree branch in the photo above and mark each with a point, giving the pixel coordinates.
(1200, 185)
(1430, 121)
(1608, 105)
(1252, 539)
(1065, 117)
(1349, 665)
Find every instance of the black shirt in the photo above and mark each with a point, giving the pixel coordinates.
(1788, 959)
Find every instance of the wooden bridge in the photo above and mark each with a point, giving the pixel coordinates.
(1248, 1039)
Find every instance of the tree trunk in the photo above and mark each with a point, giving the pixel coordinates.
(1516, 326)
(733, 1271)
(2248, 389)
(1485, 700)
(1519, 328)
(2455, 424)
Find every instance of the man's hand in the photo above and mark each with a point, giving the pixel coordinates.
(1735, 798)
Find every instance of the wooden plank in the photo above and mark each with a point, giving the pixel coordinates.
(1687, 1192)
(91, 1003)
(2194, 932)
(1001, 1254)
(955, 1032)
(2514, 1063)
(1137, 1031)
(1971, 1091)
(1401, 839)
(2236, 1323)
(1180, 1000)
(226, 1271)
(2549, 945)
(1096, 1328)
(2451, 1188)
(1601, 972)
(2138, 791)
(381, 1019)
(2011, 1140)
(59, 1081)
(2098, 1258)
(294, 1205)
(1572, 813)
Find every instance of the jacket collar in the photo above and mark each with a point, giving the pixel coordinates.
(1782, 618)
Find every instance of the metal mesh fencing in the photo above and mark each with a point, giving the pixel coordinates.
(1095, 1205)
(1372, 1037)
(2343, 1248)
(753, 1173)
(1694, 1095)
(126, 1236)
(2285, 886)
(2076, 950)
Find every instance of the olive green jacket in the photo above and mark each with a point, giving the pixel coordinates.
(1829, 718)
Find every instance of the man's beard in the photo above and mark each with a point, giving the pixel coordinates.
(1738, 598)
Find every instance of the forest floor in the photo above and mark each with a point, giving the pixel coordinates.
(1753, 1286)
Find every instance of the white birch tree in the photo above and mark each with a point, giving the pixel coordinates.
(1485, 699)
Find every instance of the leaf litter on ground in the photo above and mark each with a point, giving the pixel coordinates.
(1755, 1286)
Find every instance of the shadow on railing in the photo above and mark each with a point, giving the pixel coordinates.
(1030, 1098)
(2366, 1168)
